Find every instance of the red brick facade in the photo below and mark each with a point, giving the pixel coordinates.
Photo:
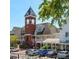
(30, 28)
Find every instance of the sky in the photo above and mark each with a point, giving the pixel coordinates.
(18, 8)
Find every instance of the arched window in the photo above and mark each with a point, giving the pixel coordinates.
(27, 21)
(32, 21)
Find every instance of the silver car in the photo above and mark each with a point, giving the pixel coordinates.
(32, 52)
(63, 54)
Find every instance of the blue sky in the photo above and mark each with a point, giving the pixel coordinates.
(18, 8)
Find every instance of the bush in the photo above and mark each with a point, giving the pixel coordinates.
(46, 46)
(23, 46)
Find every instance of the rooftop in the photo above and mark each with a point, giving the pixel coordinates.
(30, 12)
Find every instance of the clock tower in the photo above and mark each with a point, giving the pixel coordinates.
(30, 26)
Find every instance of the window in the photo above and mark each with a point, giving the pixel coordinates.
(27, 21)
(32, 21)
(66, 34)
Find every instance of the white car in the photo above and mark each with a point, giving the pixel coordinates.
(63, 54)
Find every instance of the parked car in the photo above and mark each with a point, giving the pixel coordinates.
(63, 54)
(32, 52)
(51, 54)
(42, 52)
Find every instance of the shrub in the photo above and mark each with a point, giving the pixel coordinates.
(46, 46)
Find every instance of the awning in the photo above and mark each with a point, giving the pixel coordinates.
(51, 40)
(39, 41)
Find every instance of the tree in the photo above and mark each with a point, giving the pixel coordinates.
(14, 40)
(57, 10)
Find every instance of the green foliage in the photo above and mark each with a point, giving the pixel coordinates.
(23, 46)
(46, 46)
(57, 9)
(14, 40)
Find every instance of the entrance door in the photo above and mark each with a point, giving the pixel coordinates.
(29, 41)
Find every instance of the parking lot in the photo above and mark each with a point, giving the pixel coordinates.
(42, 54)
(22, 55)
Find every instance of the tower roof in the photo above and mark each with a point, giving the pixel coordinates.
(30, 12)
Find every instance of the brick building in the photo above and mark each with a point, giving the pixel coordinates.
(31, 33)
